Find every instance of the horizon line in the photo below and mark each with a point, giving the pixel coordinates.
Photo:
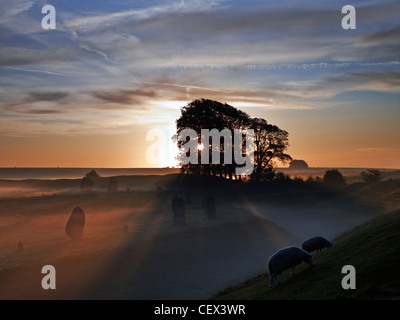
(147, 168)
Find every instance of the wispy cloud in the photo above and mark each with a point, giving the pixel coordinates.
(126, 97)
(127, 59)
(99, 52)
(115, 18)
(38, 71)
(10, 9)
(374, 149)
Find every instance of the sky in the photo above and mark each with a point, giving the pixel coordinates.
(89, 93)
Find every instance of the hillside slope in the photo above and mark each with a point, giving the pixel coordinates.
(372, 248)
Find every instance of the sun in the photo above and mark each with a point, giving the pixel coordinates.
(200, 146)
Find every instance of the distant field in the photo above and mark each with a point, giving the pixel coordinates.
(75, 173)
(351, 175)
(48, 181)
(157, 260)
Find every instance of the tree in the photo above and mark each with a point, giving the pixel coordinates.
(92, 175)
(270, 143)
(372, 175)
(334, 178)
(209, 114)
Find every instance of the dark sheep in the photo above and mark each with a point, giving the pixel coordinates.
(316, 243)
(284, 259)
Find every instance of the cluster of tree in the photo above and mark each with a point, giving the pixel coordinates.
(372, 175)
(270, 142)
(334, 178)
(90, 178)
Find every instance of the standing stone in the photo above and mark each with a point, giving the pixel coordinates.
(178, 207)
(87, 184)
(210, 208)
(75, 224)
(188, 198)
(204, 200)
(20, 247)
(113, 185)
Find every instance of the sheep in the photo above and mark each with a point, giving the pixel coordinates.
(284, 259)
(316, 243)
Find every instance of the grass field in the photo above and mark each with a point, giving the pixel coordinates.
(372, 248)
(157, 260)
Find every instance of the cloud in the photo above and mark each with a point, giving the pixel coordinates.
(375, 80)
(10, 9)
(46, 96)
(265, 54)
(373, 149)
(99, 52)
(40, 111)
(388, 34)
(93, 21)
(38, 71)
(126, 97)
(34, 103)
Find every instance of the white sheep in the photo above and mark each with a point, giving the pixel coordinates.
(284, 259)
(316, 243)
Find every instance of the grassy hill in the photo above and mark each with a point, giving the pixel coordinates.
(372, 248)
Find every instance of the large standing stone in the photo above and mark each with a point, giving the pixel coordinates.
(210, 208)
(20, 247)
(178, 207)
(204, 200)
(75, 224)
(113, 185)
(188, 198)
(87, 184)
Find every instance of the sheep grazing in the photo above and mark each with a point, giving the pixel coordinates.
(284, 259)
(316, 243)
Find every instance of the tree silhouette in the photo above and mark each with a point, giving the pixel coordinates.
(209, 114)
(334, 178)
(270, 141)
(372, 175)
(92, 175)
